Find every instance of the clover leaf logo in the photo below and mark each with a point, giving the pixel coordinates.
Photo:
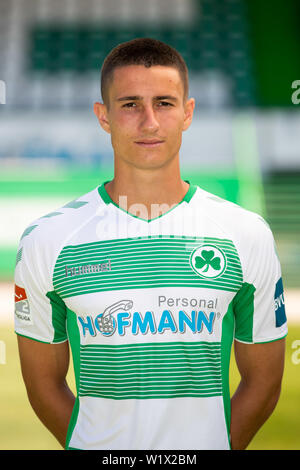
(208, 261)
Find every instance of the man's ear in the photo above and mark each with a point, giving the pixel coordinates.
(189, 107)
(101, 113)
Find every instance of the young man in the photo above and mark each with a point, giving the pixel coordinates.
(149, 278)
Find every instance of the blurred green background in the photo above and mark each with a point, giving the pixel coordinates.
(244, 143)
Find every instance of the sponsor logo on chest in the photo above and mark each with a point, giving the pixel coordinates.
(120, 318)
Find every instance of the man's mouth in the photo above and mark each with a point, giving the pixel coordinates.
(149, 143)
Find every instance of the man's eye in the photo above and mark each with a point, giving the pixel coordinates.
(128, 105)
(165, 103)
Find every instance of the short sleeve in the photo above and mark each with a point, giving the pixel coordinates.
(258, 306)
(39, 312)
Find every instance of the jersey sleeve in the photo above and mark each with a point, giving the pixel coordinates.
(40, 314)
(259, 305)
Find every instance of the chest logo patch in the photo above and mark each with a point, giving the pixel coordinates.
(208, 261)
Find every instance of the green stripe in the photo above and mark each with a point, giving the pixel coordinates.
(156, 391)
(134, 277)
(75, 204)
(123, 252)
(135, 282)
(155, 239)
(59, 317)
(19, 255)
(144, 376)
(226, 342)
(134, 263)
(79, 290)
(152, 346)
(28, 230)
(74, 339)
(153, 382)
(152, 370)
(72, 423)
(131, 357)
(51, 214)
(243, 307)
(180, 266)
(133, 271)
(147, 396)
(153, 364)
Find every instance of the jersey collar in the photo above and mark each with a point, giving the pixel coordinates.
(107, 200)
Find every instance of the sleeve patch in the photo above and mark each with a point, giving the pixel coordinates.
(280, 315)
(22, 309)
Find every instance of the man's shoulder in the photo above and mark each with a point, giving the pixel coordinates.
(232, 216)
(57, 224)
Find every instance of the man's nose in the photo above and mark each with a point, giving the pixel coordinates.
(149, 119)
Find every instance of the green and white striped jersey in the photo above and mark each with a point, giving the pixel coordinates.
(150, 309)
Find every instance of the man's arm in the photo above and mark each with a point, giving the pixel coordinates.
(44, 369)
(261, 369)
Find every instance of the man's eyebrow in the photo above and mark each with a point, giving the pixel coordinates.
(140, 98)
(166, 97)
(129, 98)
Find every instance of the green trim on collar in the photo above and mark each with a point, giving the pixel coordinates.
(107, 199)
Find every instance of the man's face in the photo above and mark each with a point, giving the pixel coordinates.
(147, 114)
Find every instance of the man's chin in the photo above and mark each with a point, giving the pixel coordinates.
(150, 161)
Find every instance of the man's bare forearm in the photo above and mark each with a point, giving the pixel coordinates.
(250, 408)
(53, 404)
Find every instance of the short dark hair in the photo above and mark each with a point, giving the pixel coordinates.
(142, 51)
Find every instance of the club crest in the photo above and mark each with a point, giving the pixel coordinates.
(208, 261)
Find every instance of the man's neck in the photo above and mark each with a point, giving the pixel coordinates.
(148, 194)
